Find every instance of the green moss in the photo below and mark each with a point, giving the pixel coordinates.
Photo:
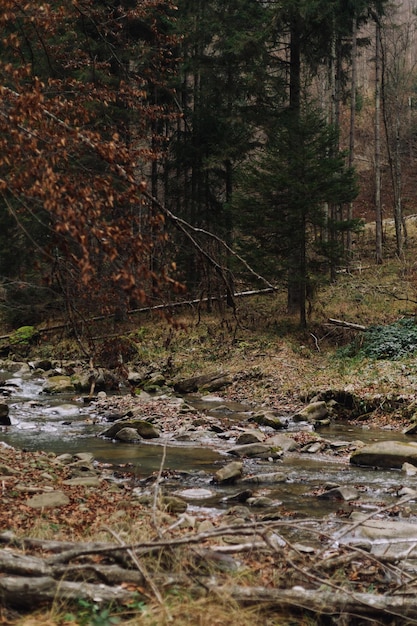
(23, 336)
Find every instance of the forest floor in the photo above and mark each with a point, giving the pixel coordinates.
(272, 363)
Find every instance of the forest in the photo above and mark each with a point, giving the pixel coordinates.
(208, 290)
(156, 152)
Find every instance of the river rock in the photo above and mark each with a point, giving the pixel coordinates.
(64, 459)
(268, 418)
(261, 501)
(340, 493)
(145, 429)
(58, 384)
(386, 454)
(240, 496)
(87, 457)
(4, 414)
(230, 473)
(313, 448)
(51, 499)
(250, 437)
(42, 364)
(386, 533)
(409, 469)
(271, 478)
(255, 450)
(128, 435)
(286, 443)
(312, 412)
(197, 494)
(155, 381)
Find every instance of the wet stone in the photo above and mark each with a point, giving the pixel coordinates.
(268, 418)
(268, 478)
(240, 496)
(249, 437)
(255, 450)
(230, 473)
(128, 435)
(340, 493)
(196, 494)
(262, 501)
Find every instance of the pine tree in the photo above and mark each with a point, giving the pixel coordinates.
(281, 201)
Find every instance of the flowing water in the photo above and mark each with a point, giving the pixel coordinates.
(64, 424)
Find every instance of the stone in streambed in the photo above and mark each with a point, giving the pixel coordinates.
(340, 493)
(128, 435)
(196, 494)
(58, 384)
(145, 429)
(271, 478)
(268, 418)
(4, 414)
(312, 412)
(391, 454)
(230, 473)
(258, 450)
(286, 443)
(250, 437)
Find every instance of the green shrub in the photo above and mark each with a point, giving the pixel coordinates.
(23, 336)
(391, 342)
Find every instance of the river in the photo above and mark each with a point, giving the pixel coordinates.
(66, 424)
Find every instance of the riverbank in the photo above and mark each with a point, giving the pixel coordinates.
(187, 567)
(203, 570)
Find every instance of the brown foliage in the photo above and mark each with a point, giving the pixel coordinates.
(77, 135)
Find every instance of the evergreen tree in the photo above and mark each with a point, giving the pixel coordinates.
(222, 91)
(280, 203)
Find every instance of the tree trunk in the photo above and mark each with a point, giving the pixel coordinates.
(352, 125)
(378, 205)
(296, 289)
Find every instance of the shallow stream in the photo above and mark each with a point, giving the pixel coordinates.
(64, 424)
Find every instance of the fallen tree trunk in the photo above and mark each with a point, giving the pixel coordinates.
(157, 307)
(30, 593)
(22, 565)
(326, 602)
(344, 324)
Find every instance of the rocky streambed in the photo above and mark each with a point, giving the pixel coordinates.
(205, 454)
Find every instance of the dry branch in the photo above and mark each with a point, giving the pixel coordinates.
(157, 307)
(347, 324)
(325, 602)
(88, 571)
(28, 593)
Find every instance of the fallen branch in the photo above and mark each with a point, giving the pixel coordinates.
(325, 602)
(157, 307)
(347, 324)
(28, 593)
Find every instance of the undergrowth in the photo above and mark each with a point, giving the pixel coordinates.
(392, 342)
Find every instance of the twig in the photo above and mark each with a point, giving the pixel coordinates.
(142, 569)
(316, 342)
